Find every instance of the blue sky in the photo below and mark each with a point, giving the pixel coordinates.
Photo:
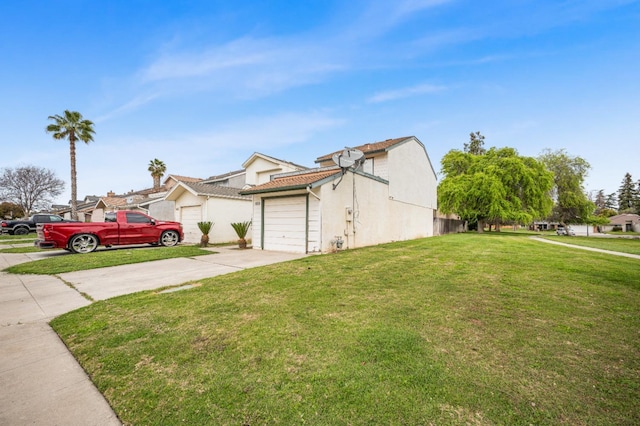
(201, 85)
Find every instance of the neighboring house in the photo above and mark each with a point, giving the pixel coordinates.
(106, 204)
(259, 168)
(200, 202)
(392, 198)
(172, 180)
(627, 222)
(217, 198)
(84, 208)
(235, 179)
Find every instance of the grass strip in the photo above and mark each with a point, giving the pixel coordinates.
(459, 329)
(21, 250)
(62, 261)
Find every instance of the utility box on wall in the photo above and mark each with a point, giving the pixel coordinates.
(348, 213)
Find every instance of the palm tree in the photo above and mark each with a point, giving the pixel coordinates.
(157, 169)
(71, 126)
(241, 228)
(205, 228)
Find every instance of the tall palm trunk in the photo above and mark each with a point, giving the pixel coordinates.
(74, 187)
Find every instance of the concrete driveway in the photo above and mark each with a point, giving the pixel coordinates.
(41, 382)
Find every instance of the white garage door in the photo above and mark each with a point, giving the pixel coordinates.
(189, 217)
(285, 222)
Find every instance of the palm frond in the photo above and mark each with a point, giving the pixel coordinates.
(241, 228)
(205, 227)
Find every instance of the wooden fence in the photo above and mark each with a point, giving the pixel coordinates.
(442, 226)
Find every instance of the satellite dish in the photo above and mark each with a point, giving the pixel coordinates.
(348, 158)
(342, 161)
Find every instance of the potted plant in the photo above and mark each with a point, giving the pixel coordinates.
(241, 228)
(205, 228)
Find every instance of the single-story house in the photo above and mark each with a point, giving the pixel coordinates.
(392, 197)
(626, 222)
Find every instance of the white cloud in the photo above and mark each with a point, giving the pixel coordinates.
(250, 67)
(267, 132)
(406, 92)
(236, 54)
(131, 105)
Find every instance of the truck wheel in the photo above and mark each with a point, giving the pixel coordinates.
(21, 231)
(83, 243)
(169, 238)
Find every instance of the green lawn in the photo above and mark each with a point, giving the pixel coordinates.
(624, 245)
(18, 250)
(62, 261)
(461, 329)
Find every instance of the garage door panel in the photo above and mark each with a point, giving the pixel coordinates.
(285, 224)
(190, 216)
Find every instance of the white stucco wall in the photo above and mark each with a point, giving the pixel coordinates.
(411, 177)
(259, 171)
(163, 210)
(221, 211)
(376, 218)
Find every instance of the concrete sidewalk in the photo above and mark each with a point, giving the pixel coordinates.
(597, 250)
(41, 382)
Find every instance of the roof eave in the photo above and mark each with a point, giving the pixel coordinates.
(276, 189)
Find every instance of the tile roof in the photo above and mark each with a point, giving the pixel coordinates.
(293, 181)
(225, 175)
(216, 190)
(184, 178)
(113, 201)
(368, 148)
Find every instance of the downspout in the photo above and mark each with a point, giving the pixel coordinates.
(320, 221)
(310, 192)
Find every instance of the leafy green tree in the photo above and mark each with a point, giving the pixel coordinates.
(30, 187)
(497, 187)
(157, 169)
(10, 210)
(569, 173)
(475, 145)
(73, 127)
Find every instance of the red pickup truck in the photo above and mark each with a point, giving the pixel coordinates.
(119, 228)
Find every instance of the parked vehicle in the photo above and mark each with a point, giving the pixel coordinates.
(562, 230)
(119, 228)
(24, 226)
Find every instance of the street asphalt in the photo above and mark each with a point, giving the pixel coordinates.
(40, 381)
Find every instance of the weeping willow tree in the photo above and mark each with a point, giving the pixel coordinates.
(497, 186)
